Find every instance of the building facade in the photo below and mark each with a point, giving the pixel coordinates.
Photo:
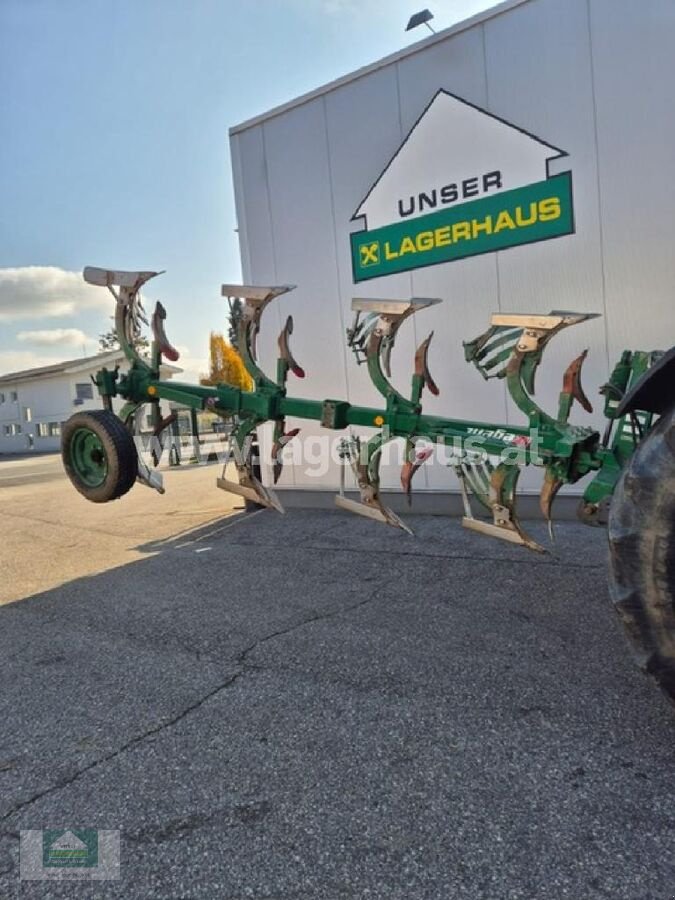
(34, 404)
(517, 162)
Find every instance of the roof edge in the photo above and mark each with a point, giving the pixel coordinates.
(410, 50)
(66, 367)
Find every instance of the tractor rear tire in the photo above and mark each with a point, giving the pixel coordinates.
(642, 552)
(99, 455)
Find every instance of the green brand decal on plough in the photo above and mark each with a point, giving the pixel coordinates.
(510, 349)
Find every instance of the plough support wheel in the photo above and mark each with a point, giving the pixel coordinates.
(642, 552)
(99, 455)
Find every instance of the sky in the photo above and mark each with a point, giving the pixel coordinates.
(114, 118)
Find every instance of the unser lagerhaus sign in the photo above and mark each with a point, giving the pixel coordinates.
(463, 182)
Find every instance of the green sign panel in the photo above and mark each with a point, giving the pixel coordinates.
(536, 212)
(76, 848)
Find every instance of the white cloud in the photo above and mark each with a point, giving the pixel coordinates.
(53, 337)
(35, 292)
(193, 366)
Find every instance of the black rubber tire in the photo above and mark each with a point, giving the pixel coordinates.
(120, 453)
(642, 552)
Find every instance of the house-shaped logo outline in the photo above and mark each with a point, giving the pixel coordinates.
(68, 846)
(557, 152)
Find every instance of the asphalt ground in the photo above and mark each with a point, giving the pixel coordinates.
(20, 469)
(50, 535)
(315, 706)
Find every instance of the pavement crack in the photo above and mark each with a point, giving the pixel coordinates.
(247, 814)
(175, 829)
(472, 557)
(529, 560)
(241, 661)
(10, 835)
(138, 739)
(242, 658)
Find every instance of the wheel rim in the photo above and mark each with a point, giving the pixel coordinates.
(88, 457)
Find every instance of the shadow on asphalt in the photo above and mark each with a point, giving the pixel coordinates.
(312, 706)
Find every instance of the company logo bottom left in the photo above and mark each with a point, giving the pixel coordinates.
(70, 854)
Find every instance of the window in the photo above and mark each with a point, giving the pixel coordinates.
(42, 429)
(54, 429)
(84, 391)
(13, 396)
(27, 414)
(2, 398)
(12, 429)
(7, 429)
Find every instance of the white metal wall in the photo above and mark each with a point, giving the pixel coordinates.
(595, 77)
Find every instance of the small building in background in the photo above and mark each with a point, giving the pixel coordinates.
(35, 403)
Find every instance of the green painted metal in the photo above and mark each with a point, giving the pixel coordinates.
(535, 212)
(88, 457)
(622, 434)
(574, 451)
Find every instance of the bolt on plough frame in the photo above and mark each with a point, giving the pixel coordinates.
(101, 458)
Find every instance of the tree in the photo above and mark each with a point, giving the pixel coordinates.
(225, 365)
(236, 313)
(108, 342)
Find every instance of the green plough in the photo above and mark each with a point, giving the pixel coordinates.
(634, 459)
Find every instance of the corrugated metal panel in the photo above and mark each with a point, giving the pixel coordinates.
(565, 273)
(240, 207)
(357, 150)
(634, 75)
(252, 204)
(305, 249)
(468, 289)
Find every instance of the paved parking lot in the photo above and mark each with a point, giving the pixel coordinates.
(34, 468)
(51, 535)
(315, 706)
